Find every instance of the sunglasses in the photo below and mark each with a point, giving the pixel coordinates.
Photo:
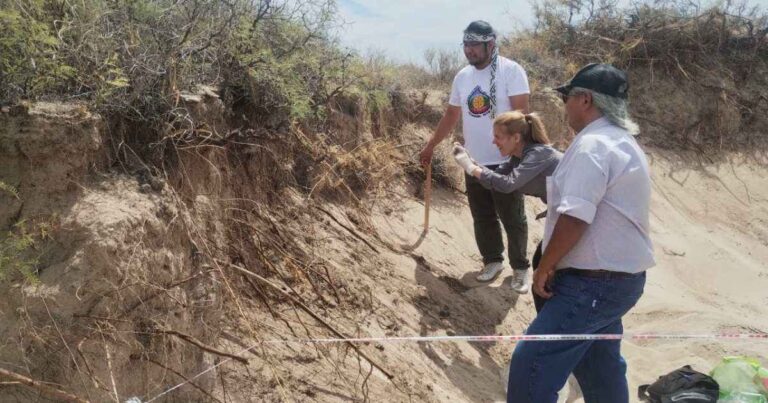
(565, 97)
(472, 44)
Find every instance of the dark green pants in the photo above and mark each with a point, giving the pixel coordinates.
(488, 207)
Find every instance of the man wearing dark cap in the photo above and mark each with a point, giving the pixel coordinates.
(490, 85)
(596, 247)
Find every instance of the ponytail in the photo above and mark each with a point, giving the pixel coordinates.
(529, 125)
(537, 132)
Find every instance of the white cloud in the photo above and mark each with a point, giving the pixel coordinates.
(404, 29)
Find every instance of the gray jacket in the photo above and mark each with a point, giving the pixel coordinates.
(527, 175)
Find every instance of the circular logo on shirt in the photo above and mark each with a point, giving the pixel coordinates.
(479, 102)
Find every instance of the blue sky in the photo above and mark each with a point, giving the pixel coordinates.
(404, 29)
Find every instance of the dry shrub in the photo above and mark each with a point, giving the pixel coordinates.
(445, 170)
(689, 116)
(348, 122)
(363, 170)
(543, 66)
(697, 77)
(550, 108)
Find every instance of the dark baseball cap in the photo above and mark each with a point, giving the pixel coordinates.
(480, 27)
(603, 78)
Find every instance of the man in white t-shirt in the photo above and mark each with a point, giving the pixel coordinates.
(490, 85)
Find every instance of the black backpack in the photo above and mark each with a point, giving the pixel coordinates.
(682, 385)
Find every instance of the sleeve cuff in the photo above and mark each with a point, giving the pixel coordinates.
(577, 208)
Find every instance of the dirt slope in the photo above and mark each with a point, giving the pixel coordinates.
(147, 282)
(709, 230)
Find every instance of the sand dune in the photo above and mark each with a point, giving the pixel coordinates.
(710, 232)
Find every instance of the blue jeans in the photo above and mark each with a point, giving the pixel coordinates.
(580, 305)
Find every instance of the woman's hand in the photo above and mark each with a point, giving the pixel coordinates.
(463, 159)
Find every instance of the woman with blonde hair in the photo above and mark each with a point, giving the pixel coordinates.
(523, 138)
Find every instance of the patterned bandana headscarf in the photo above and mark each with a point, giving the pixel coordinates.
(475, 37)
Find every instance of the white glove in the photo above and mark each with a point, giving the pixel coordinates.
(463, 159)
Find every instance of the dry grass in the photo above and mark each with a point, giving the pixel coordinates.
(697, 77)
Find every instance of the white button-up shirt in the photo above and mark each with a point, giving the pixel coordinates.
(603, 180)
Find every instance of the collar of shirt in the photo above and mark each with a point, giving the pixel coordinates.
(528, 147)
(534, 146)
(595, 125)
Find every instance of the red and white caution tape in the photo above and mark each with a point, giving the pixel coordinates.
(487, 338)
(530, 337)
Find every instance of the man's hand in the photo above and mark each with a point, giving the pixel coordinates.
(567, 233)
(425, 156)
(444, 128)
(463, 159)
(542, 278)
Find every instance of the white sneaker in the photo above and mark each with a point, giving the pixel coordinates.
(520, 281)
(490, 271)
(574, 390)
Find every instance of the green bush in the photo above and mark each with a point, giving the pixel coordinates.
(131, 59)
(18, 250)
(9, 189)
(29, 66)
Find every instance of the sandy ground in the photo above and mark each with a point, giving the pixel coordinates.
(710, 232)
(709, 227)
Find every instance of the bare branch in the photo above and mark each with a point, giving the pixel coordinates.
(41, 387)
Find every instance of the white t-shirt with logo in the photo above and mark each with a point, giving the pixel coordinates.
(471, 91)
